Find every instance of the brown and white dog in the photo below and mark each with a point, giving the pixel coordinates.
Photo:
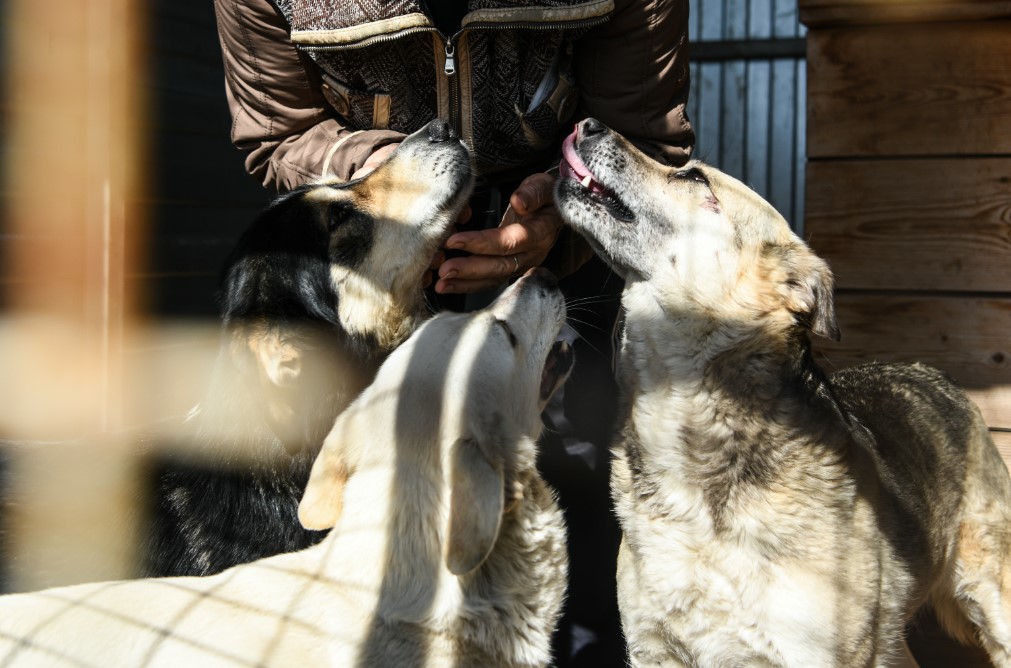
(448, 549)
(773, 516)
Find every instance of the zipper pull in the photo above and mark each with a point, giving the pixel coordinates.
(450, 59)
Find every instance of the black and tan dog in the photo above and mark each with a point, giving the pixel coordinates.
(774, 516)
(318, 291)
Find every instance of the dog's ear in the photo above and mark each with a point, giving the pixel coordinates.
(279, 361)
(811, 287)
(323, 500)
(278, 356)
(476, 504)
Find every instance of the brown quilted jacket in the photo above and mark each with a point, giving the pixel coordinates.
(314, 86)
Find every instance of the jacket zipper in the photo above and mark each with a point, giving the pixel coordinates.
(449, 68)
(454, 84)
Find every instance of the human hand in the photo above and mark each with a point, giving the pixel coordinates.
(528, 230)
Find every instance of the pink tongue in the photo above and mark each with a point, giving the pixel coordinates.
(573, 167)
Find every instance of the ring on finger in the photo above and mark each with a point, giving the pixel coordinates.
(516, 262)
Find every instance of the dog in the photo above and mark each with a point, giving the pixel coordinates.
(321, 287)
(448, 549)
(773, 515)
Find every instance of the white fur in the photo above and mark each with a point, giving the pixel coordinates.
(377, 591)
(773, 516)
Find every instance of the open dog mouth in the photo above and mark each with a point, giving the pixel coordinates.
(573, 167)
(556, 368)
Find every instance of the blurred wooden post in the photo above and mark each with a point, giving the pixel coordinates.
(73, 178)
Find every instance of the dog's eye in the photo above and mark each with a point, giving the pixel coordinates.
(692, 174)
(337, 214)
(508, 330)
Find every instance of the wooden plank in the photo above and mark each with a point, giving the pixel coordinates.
(931, 89)
(783, 163)
(1002, 439)
(914, 224)
(733, 112)
(707, 123)
(745, 49)
(784, 18)
(710, 20)
(823, 13)
(759, 101)
(693, 106)
(968, 338)
(993, 5)
(760, 19)
(800, 175)
(735, 24)
(694, 24)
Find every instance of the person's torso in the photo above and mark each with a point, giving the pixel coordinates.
(504, 80)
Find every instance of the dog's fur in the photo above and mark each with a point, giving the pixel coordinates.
(774, 516)
(450, 550)
(324, 284)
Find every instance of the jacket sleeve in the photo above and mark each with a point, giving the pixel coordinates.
(633, 76)
(278, 112)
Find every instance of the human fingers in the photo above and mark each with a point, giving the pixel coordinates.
(516, 234)
(536, 232)
(508, 250)
(534, 192)
(478, 267)
(461, 286)
(495, 241)
(477, 272)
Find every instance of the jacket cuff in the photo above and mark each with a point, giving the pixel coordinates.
(349, 152)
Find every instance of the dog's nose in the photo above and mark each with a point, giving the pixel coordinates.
(589, 127)
(545, 276)
(439, 130)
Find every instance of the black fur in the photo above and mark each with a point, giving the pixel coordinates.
(210, 511)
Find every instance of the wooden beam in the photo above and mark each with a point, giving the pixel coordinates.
(73, 174)
(748, 49)
(826, 13)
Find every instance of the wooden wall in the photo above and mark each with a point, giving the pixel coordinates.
(909, 186)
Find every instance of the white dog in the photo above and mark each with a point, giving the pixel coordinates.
(448, 548)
